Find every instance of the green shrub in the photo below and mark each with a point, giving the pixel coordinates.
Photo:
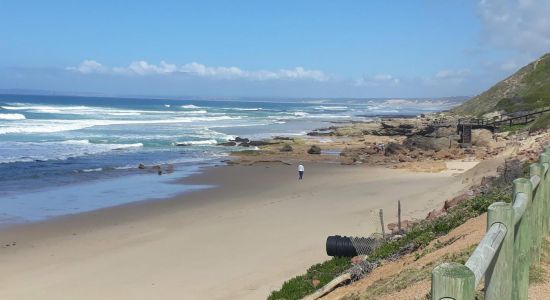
(300, 286)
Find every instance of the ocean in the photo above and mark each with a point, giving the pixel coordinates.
(62, 155)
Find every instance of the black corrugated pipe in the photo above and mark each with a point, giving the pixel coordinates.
(345, 246)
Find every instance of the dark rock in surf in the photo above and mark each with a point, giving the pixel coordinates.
(230, 143)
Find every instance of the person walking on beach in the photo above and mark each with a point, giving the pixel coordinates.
(300, 172)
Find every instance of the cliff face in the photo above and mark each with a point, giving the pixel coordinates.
(527, 89)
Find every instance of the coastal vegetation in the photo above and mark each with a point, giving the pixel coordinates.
(526, 90)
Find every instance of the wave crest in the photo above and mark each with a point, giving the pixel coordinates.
(12, 117)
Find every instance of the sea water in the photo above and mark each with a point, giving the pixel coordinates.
(66, 154)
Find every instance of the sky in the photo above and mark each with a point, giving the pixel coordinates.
(294, 48)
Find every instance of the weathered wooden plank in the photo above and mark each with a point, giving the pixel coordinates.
(535, 180)
(453, 280)
(545, 160)
(520, 205)
(485, 251)
(498, 277)
(536, 170)
(329, 287)
(522, 241)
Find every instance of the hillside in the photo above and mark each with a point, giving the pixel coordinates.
(527, 89)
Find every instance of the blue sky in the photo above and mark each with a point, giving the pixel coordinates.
(295, 48)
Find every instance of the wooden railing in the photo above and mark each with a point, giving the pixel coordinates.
(508, 120)
(511, 245)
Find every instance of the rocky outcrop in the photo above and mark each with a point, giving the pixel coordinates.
(286, 148)
(314, 150)
(241, 140)
(229, 143)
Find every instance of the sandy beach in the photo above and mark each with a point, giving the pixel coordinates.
(240, 240)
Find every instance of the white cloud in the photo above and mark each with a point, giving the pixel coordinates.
(376, 80)
(143, 68)
(89, 66)
(522, 25)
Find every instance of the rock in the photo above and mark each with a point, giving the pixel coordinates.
(259, 143)
(283, 138)
(315, 282)
(286, 148)
(396, 237)
(230, 143)
(314, 150)
(141, 166)
(421, 142)
(357, 259)
(455, 201)
(392, 148)
(434, 214)
(241, 140)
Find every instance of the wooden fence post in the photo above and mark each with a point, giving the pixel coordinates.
(382, 223)
(522, 243)
(498, 278)
(453, 280)
(399, 216)
(536, 169)
(545, 158)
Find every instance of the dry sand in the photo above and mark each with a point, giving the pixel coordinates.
(241, 240)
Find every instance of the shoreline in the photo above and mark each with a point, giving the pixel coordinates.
(180, 238)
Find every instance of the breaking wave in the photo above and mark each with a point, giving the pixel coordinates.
(12, 117)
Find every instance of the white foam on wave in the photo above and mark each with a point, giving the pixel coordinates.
(124, 114)
(12, 117)
(194, 112)
(49, 126)
(92, 170)
(196, 143)
(166, 105)
(190, 106)
(79, 110)
(300, 114)
(60, 150)
(331, 107)
(245, 109)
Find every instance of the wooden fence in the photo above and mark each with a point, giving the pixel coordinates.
(511, 245)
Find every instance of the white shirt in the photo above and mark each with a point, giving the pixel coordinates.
(300, 168)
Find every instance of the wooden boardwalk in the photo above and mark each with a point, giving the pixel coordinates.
(505, 120)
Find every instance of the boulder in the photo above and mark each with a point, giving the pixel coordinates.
(241, 140)
(283, 138)
(286, 148)
(259, 143)
(314, 150)
(230, 143)
(392, 148)
(141, 166)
